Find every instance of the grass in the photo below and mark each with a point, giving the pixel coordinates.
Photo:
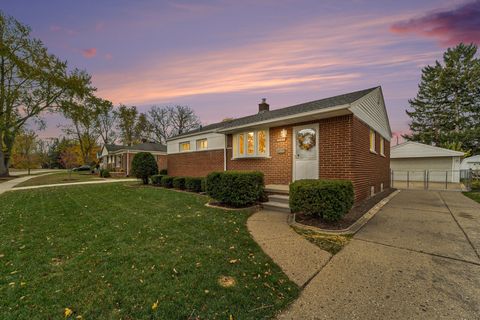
(61, 177)
(112, 251)
(327, 242)
(474, 195)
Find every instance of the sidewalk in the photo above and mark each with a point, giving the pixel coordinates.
(8, 185)
(299, 259)
(75, 183)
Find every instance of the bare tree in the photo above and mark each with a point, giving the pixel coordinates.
(126, 118)
(169, 121)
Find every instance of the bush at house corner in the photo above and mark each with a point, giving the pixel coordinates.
(144, 166)
(235, 188)
(327, 199)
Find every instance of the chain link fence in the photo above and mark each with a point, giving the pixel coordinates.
(458, 180)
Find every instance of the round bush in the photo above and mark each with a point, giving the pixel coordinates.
(179, 183)
(104, 173)
(193, 184)
(144, 166)
(166, 182)
(327, 199)
(156, 179)
(235, 188)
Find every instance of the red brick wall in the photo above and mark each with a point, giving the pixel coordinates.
(369, 169)
(278, 168)
(335, 144)
(195, 164)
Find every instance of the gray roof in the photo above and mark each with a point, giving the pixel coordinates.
(288, 111)
(138, 147)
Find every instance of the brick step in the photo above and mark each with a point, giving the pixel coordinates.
(281, 198)
(276, 206)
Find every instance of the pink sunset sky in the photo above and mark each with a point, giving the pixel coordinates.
(221, 57)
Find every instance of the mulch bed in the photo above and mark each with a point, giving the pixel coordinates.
(353, 215)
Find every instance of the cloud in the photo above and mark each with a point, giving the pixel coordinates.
(449, 27)
(89, 53)
(108, 56)
(306, 56)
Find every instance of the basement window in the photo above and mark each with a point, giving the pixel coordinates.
(252, 144)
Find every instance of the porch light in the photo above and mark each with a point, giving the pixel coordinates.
(283, 133)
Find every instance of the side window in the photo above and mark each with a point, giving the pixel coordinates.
(372, 140)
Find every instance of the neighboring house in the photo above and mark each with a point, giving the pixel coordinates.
(342, 137)
(472, 163)
(118, 158)
(412, 160)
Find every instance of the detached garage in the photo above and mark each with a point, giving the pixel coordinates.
(415, 161)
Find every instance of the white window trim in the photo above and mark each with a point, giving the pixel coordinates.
(180, 149)
(236, 145)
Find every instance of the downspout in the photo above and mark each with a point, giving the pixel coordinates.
(128, 165)
(225, 155)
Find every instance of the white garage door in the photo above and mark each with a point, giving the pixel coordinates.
(439, 169)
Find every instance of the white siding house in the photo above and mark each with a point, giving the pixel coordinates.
(411, 160)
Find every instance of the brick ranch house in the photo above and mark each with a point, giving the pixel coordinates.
(118, 158)
(342, 137)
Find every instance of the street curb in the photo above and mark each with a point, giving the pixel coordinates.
(354, 227)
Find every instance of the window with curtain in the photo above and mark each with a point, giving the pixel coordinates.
(382, 146)
(202, 144)
(184, 146)
(372, 140)
(251, 144)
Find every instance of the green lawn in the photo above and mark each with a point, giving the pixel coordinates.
(475, 195)
(61, 177)
(111, 251)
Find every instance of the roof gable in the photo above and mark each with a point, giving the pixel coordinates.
(411, 149)
(371, 110)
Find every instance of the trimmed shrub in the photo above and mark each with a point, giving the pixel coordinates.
(156, 179)
(475, 185)
(235, 188)
(193, 184)
(104, 173)
(328, 199)
(166, 182)
(203, 186)
(163, 172)
(179, 183)
(144, 166)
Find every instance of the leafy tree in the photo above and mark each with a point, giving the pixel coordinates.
(446, 110)
(126, 119)
(69, 159)
(142, 129)
(144, 166)
(106, 122)
(84, 113)
(24, 152)
(31, 81)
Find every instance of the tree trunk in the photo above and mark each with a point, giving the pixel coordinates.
(3, 167)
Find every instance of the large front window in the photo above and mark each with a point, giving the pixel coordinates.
(251, 144)
(184, 146)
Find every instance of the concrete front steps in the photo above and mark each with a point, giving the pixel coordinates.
(277, 198)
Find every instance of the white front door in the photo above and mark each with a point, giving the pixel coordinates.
(305, 152)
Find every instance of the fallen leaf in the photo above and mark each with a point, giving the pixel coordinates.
(68, 312)
(155, 305)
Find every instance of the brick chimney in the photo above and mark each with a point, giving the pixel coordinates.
(264, 106)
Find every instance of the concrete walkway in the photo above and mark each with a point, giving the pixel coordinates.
(418, 258)
(8, 185)
(299, 259)
(75, 183)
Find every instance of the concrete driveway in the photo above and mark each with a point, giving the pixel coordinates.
(418, 258)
